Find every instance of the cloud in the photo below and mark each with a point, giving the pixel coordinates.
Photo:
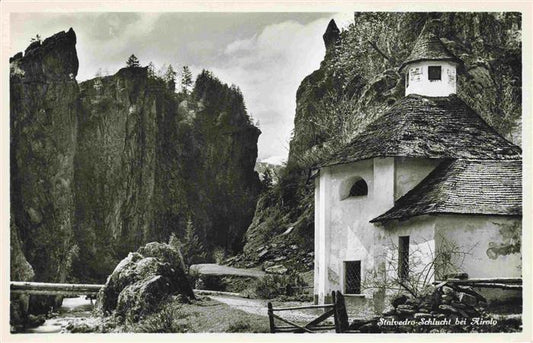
(266, 54)
(268, 67)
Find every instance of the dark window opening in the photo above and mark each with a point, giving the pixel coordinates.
(359, 188)
(352, 277)
(406, 79)
(434, 72)
(403, 257)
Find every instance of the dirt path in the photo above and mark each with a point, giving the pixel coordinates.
(259, 306)
(216, 269)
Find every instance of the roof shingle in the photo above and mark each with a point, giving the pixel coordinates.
(429, 127)
(479, 187)
(429, 47)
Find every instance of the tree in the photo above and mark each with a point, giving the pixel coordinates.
(37, 38)
(170, 78)
(151, 70)
(190, 246)
(186, 79)
(133, 62)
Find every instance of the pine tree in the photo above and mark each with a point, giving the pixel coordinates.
(186, 79)
(190, 246)
(170, 78)
(133, 62)
(37, 38)
(151, 70)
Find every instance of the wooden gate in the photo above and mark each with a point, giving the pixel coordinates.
(337, 310)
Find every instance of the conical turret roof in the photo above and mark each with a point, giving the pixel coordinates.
(428, 47)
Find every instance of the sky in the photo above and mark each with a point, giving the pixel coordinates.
(266, 55)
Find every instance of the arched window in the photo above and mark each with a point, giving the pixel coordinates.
(354, 186)
(359, 188)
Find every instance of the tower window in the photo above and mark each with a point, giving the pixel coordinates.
(359, 188)
(403, 257)
(434, 72)
(352, 277)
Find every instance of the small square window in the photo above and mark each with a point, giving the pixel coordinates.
(434, 72)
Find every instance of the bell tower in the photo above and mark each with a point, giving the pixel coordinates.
(430, 69)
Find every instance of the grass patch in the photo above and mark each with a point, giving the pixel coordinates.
(203, 315)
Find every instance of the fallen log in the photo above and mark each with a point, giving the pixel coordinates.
(43, 288)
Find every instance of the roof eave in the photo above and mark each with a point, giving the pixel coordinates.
(448, 59)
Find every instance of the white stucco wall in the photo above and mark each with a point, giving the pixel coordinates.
(342, 226)
(476, 235)
(409, 172)
(421, 232)
(419, 82)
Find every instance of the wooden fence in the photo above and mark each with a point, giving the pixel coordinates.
(337, 310)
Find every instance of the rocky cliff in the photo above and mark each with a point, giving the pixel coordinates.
(100, 168)
(43, 114)
(149, 161)
(356, 82)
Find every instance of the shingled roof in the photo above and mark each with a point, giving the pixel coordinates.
(478, 187)
(428, 47)
(428, 127)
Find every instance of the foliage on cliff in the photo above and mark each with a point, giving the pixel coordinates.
(358, 80)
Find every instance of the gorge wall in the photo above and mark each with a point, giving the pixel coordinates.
(101, 167)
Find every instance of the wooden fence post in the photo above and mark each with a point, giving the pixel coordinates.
(271, 318)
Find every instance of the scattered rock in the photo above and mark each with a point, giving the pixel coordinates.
(289, 230)
(35, 320)
(268, 264)
(398, 300)
(280, 258)
(467, 299)
(35, 216)
(262, 253)
(277, 269)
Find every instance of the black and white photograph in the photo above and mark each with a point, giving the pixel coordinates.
(325, 171)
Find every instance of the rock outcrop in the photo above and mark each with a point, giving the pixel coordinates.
(44, 106)
(142, 280)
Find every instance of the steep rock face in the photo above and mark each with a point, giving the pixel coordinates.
(149, 161)
(115, 167)
(44, 106)
(225, 153)
(21, 270)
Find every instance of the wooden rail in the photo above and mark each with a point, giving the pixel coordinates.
(502, 283)
(337, 310)
(42, 288)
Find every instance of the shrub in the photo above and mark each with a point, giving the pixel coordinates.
(272, 286)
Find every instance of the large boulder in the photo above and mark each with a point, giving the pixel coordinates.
(142, 280)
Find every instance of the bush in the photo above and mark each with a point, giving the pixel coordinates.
(272, 286)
